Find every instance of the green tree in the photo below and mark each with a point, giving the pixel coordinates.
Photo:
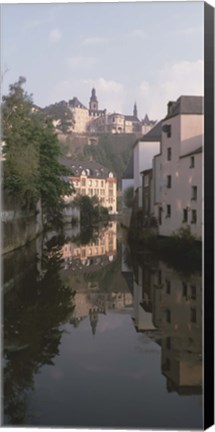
(21, 149)
(31, 167)
(128, 197)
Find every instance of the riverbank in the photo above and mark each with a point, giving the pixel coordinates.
(181, 250)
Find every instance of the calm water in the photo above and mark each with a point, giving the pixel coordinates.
(93, 338)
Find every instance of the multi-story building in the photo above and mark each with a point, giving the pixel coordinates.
(177, 170)
(80, 114)
(117, 123)
(144, 149)
(93, 179)
(147, 124)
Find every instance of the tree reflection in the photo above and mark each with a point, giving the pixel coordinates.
(33, 315)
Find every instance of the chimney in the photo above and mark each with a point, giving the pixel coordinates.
(169, 107)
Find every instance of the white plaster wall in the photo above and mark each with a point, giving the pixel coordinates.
(191, 126)
(144, 151)
(183, 177)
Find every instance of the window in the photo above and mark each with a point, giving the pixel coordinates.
(168, 211)
(168, 286)
(166, 365)
(193, 315)
(169, 181)
(194, 217)
(160, 215)
(168, 342)
(194, 193)
(184, 289)
(169, 131)
(102, 183)
(192, 162)
(168, 315)
(159, 277)
(193, 292)
(83, 182)
(185, 215)
(169, 153)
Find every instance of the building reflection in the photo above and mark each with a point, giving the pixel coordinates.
(88, 269)
(168, 309)
(97, 252)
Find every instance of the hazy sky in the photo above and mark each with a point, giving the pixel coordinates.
(145, 52)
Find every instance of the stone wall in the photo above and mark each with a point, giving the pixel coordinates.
(18, 227)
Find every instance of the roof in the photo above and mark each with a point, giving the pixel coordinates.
(186, 105)
(146, 121)
(153, 135)
(196, 151)
(147, 171)
(129, 171)
(94, 169)
(131, 118)
(75, 103)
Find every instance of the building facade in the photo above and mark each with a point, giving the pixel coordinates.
(80, 115)
(178, 175)
(144, 150)
(93, 179)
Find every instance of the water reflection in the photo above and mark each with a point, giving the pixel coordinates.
(168, 309)
(86, 288)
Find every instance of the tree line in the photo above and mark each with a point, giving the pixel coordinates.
(31, 151)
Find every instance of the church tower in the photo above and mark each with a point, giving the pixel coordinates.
(93, 105)
(135, 110)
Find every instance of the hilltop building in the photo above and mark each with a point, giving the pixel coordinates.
(80, 114)
(93, 179)
(95, 120)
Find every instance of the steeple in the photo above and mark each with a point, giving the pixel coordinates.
(93, 315)
(93, 105)
(135, 110)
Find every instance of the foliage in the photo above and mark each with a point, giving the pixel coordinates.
(31, 151)
(128, 197)
(61, 113)
(90, 210)
(34, 313)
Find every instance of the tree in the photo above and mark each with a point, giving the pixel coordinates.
(61, 113)
(31, 167)
(128, 197)
(21, 150)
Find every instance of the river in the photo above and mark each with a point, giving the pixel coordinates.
(95, 337)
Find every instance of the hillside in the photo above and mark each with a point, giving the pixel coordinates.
(112, 151)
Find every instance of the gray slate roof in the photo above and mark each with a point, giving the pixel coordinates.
(153, 135)
(187, 105)
(129, 171)
(146, 120)
(131, 118)
(193, 152)
(96, 170)
(75, 103)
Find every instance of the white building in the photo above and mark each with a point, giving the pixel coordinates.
(92, 179)
(144, 150)
(178, 168)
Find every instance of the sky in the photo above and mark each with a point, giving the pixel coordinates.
(148, 53)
